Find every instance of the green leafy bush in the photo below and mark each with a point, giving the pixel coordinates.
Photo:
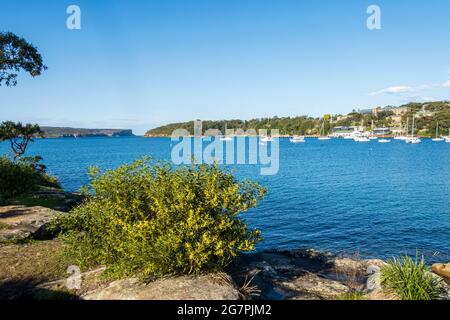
(19, 177)
(151, 219)
(411, 279)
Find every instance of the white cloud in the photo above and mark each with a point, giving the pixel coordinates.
(393, 90)
(446, 84)
(398, 90)
(419, 99)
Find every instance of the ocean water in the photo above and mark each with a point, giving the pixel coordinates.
(377, 200)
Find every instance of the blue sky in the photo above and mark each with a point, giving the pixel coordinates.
(138, 64)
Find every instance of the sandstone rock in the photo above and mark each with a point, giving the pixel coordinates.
(312, 286)
(344, 263)
(443, 270)
(290, 274)
(20, 222)
(206, 287)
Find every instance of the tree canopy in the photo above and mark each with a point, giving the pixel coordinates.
(17, 54)
(19, 136)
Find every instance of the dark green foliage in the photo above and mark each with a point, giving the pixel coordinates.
(16, 178)
(19, 136)
(152, 219)
(20, 177)
(17, 54)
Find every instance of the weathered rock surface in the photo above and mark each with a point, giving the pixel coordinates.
(20, 222)
(300, 274)
(206, 287)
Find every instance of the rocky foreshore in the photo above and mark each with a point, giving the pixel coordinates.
(270, 275)
(302, 274)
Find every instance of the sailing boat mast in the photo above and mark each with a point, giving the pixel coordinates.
(407, 126)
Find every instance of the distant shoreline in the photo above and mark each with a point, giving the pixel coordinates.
(280, 136)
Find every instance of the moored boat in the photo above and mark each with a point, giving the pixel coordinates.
(361, 139)
(266, 139)
(412, 139)
(297, 139)
(437, 138)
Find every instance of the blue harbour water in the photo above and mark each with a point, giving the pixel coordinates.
(374, 199)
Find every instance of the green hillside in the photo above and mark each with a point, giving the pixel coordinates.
(427, 116)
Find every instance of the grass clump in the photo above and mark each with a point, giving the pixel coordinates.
(4, 226)
(151, 219)
(31, 200)
(411, 279)
(353, 295)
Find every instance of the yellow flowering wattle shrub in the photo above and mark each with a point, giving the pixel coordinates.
(152, 219)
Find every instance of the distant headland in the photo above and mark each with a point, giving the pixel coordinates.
(67, 132)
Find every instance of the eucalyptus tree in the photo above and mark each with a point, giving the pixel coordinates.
(16, 54)
(19, 136)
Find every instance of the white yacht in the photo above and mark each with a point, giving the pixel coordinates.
(266, 139)
(412, 139)
(372, 135)
(361, 139)
(384, 141)
(226, 137)
(297, 139)
(438, 138)
(322, 132)
(403, 137)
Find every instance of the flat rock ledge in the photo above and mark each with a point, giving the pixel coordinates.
(206, 287)
(273, 275)
(19, 222)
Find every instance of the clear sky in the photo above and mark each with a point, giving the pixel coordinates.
(138, 64)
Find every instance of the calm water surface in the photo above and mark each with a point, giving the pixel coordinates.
(376, 199)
